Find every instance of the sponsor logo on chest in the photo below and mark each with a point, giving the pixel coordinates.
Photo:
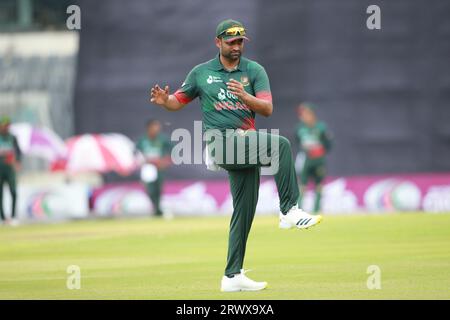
(213, 79)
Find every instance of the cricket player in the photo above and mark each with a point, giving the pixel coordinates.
(232, 90)
(314, 142)
(10, 156)
(155, 148)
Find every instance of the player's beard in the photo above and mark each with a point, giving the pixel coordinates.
(232, 55)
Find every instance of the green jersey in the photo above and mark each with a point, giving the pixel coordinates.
(220, 108)
(314, 141)
(155, 148)
(9, 150)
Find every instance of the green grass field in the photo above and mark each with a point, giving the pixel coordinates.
(184, 258)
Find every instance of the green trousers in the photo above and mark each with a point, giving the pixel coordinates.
(154, 190)
(313, 169)
(244, 184)
(8, 175)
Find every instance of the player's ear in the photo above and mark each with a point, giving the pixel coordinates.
(218, 43)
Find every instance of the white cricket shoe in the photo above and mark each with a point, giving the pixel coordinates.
(298, 218)
(14, 222)
(240, 282)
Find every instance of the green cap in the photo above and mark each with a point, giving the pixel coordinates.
(230, 30)
(5, 120)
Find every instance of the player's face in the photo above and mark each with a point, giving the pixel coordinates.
(4, 129)
(153, 129)
(230, 50)
(308, 117)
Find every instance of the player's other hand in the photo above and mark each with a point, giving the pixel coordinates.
(236, 88)
(159, 95)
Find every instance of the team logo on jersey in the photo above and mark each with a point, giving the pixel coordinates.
(244, 81)
(212, 79)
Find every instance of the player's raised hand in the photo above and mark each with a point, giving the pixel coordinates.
(236, 88)
(158, 95)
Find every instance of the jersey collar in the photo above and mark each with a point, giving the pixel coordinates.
(217, 65)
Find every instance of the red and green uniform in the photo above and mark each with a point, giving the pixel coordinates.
(9, 155)
(153, 149)
(222, 110)
(314, 143)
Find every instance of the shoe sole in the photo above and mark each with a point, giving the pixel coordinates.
(285, 225)
(243, 290)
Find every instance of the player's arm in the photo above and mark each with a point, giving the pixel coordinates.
(166, 159)
(139, 152)
(261, 102)
(17, 154)
(327, 139)
(261, 105)
(162, 98)
(174, 102)
(17, 151)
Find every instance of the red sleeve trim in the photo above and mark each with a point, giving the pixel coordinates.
(248, 124)
(182, 97)
(264, 95)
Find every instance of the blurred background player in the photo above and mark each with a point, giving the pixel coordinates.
(10, 157)
(156, 149)
(314, 142)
